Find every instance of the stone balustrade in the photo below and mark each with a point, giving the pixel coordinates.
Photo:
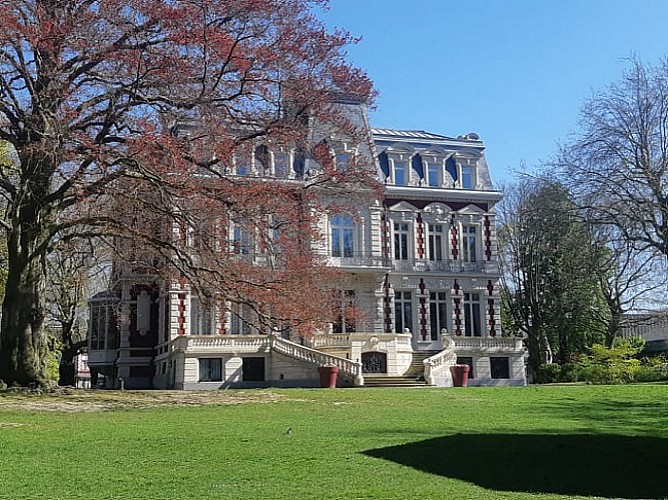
(313, 356)
(438, 365)
(231, 343)
(346, 340)
(487, 343)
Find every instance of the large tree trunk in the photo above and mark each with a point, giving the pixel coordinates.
(67, 368)
(23, 340)
(535, 355)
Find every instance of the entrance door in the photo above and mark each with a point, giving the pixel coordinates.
(252, 370)
(374, 362)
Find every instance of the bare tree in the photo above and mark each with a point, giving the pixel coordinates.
(617, 164)
(627, 279)
(71, 266)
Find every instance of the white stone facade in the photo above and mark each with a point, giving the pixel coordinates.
(422, 268)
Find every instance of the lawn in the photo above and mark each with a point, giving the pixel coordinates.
(533, 442)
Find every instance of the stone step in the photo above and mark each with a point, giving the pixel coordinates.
(416, 368)
(375, 381)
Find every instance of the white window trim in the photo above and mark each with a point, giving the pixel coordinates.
(357, 250)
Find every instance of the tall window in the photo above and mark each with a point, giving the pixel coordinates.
(433, 173)
(342, 161)
(400, 173)
(438, 313)
(343, 236)
(345, 319)
(472, 324)
(241, 240)
(401, 233)
(241, 166)
(201, 315)
(210, 369)
(469, 243)
(467, 177)
(403, 311)
(281, 165)
(436, 241)
(104, 329)
(240, 320)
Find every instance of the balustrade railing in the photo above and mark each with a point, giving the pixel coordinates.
(234, 342)
(313, 356)
(360, 260)
(462, 342)
(319, 341)
(438, 364)
(449, 265)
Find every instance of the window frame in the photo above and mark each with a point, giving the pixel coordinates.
(402, 250)
(345, 322)
(473, 321)
(434, 247)
(432, 165)
(342, 230)
(494, 370)
(438, 313)
(403, 302)
(209, 362)
(470, 252)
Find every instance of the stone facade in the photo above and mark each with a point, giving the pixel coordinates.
(422, 268)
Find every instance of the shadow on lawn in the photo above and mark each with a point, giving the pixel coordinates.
(588, 465)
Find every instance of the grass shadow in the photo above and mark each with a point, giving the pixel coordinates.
(601, 465)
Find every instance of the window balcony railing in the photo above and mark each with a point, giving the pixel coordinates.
(455, 266)
(357, 260)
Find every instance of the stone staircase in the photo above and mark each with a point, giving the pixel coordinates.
(414, 376)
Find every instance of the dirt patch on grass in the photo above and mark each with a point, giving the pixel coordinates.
(73, 400)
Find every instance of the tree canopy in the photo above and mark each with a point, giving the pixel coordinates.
(126, 115)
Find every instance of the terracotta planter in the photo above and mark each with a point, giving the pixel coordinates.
(460, 375)
(328, 376)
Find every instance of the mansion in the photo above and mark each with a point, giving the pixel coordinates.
(421, 262)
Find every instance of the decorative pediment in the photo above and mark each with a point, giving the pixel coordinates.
(403, 206)
(471, 210)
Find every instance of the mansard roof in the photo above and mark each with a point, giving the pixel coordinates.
(424, 138)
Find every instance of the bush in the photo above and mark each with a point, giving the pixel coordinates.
(555, 373)
(616, 365)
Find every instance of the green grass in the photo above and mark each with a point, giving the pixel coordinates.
(514, 443)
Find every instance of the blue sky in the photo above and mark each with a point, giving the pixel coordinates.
(514, 71)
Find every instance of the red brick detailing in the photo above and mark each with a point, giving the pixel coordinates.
(420, 237)
(181, 330)
(492, 321)
(488, 239)
(454, 242)
(458, 310)
(423, 311)
(490, 309)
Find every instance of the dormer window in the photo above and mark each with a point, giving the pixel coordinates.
(467, 177)
(432, 172)
(400, 172)
(342, 160)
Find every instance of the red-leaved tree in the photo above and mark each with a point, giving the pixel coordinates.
(125, 117)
